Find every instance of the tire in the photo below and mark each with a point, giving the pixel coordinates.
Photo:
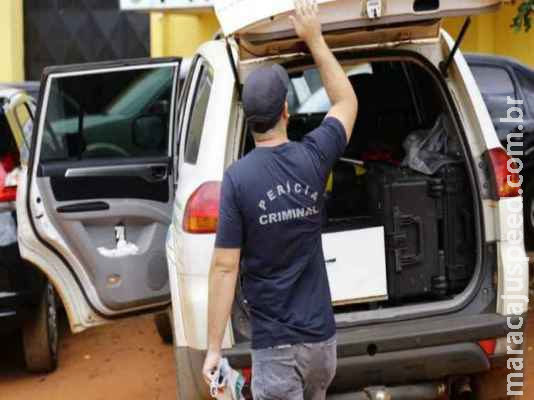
(492, 385)
(164, 327)
(40, 334)
(528, 205)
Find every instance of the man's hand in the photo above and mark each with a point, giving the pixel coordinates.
(222, 283)
(306, 21)
(210, 365)
(337, 84)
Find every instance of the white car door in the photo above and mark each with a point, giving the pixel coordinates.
(96, 203)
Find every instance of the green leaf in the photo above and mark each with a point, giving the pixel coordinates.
(523, 19)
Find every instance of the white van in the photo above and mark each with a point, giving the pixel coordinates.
(427, 265)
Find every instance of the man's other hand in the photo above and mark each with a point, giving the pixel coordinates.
(210, 365)
(306, 21)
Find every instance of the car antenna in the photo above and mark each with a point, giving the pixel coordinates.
(444, 65)
(234, 69)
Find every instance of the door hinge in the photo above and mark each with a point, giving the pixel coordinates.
(374, 9)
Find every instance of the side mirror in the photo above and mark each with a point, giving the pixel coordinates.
(149, 132)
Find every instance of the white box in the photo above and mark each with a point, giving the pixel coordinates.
(356, 265)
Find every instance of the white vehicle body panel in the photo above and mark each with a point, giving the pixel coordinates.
(193, 252)
(253, 17)
(79, 313)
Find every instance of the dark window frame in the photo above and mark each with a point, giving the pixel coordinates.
(204, 71)
(128, 122)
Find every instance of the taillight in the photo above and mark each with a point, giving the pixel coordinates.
(8, 195)
(488, 346)
(507, 183)
(202, 209)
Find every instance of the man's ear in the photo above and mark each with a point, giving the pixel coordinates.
(286, 111)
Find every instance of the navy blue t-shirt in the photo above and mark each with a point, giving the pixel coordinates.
(271, 206)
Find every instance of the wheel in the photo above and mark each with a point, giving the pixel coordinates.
(492, 385)
(164, 326)
(528, 206)
(40, 334)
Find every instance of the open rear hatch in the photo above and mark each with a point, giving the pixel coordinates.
(387, 256)
(263, 28)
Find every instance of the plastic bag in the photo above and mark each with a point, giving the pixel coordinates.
(8, 229)
(227, 383)
(426, 149)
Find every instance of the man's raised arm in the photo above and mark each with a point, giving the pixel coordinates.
(337, 84)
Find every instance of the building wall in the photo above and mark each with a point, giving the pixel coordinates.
(60, 32)
(11, 41)
(181, 34)
(492, 33)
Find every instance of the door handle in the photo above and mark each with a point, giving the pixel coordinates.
(84, 207)
(159, 173)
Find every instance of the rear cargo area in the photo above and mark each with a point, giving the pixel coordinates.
(404, 172)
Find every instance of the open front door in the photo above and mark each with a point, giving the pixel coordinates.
(98, 196)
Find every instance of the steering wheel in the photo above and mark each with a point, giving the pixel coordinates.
(105, 150)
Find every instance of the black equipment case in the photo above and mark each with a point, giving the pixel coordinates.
(429, 246)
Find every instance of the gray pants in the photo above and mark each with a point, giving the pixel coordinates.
(299, 372)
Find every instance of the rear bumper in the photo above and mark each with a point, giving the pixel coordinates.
(406, 352)
(409, 366)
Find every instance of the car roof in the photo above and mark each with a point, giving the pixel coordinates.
(7, 93)
(30, 87)
(490, 59)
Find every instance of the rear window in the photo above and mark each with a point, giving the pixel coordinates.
(493, 80)
(199, 109)
(114, 114)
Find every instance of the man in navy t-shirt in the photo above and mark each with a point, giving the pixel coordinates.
(270, 226)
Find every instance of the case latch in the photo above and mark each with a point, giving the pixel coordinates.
(374, 9)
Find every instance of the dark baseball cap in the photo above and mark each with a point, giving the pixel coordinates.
(264, 97)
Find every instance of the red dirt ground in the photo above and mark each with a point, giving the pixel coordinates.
(121, 361)
(126, 360)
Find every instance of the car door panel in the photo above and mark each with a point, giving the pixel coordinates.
(122, 187)
(106, 212)
(126, 282)
(143, 179)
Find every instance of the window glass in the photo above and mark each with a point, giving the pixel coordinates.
(526, 80)
(109, 115)
(307, 94)
(493, 81)
(199, 108)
